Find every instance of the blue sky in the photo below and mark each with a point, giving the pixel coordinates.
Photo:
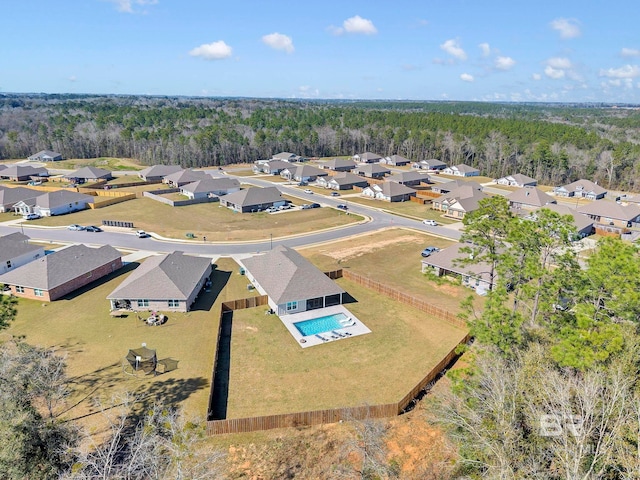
(565, 51)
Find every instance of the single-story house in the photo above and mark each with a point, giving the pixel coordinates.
(389, 191)
(450, 186)
(89, 174)
(458, 202)
(182, 177)
(367, 157)
(302, 173)
(211, 186)
(342, 181)
(292, 283)
(517, 180)
(54, 203)
(288, 157)
(272, 167)
(581, 188)
(62, 272)
(583, 224)
(528, 198)
(461, 170)
(431, 164)
(10, 196)
(446, 262)
(45, 156)
(253, 199)
(610, 213)
(397, 160)
(2, 167)
(15, 251)
(21, 173)
(372, 170)
(156, 173)
(169, 282)
(339, 164)
(409, 178)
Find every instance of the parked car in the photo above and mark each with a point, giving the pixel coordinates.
(34, 183)
(342, 206)
(31, 216)
(142, 234)
(315, 205)
(93, 228)
(75, 226)
(429, 250)
(308, 190)
(335, 194)
(271, 209)
(286, 206)
(431, 223)
(306, 206)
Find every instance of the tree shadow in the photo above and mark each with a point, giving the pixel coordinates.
(100, 281)
(206, 299)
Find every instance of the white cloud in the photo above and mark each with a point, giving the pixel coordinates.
(212, 51)
(554, 73)
(630, 52)
(628, 71)
(566, 27)
(453, 48)
(466, 77)
(486, 49)
(128, 6)
(355, 24)
(504, 63)
(559, 62)
(536, 76)
(278, 41)
(73, 78)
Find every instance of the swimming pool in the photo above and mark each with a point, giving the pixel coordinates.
(321, 324)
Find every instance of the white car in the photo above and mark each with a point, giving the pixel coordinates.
(431, 223)
(142, 234)
(75, 227)
(307, 190)
(31, 216)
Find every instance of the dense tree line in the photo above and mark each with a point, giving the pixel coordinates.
(553, 143)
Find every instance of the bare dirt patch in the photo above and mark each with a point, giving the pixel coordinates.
(347, 253)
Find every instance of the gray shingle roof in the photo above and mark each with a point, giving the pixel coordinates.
(408, 177)
(89, 172)
(14, 245)
(159, 170)
(339, 163)
(446, 259)
(212, 185)
(254, 196)
(11, 196)
(530, 196)
(173, 276)
(371, 168)
(60, 267)
(24, 171)
(368, 157)
(287, 276)
(585, 186)
(61, 197)
(609, 209)
(187, 176)
(346, 178)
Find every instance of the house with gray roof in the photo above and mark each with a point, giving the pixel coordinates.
(367, 157)
(581, 188)
(448, 262)
(459, 201)
(302, 173)
(607, 213)
(431, 165)
(253, 199)
(89, 174)
(58, 202)
(461, 170)
(10, 196)
(53, 276)
(517, 180)
(288, 157)
(529, 198)
(15, 251)
(45, 156)
(339, 164)
(156, 173)
(272, 167)
(582, 223)
(169, 282)
(182, 177)
(210, 186)
(372, 170)
(409, 178)
(21, 173)
(389, 192)
(342, 181)
(451, 185)
(397, 160)
(292, 283)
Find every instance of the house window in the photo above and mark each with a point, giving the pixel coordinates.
(174, 303)
(143, 303)
(292, 306)
(37, 292)
(8, 263)
(19, 289)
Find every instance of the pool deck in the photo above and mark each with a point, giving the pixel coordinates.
(355, 328)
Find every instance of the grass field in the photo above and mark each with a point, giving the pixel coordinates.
(271, 374)
(207, 219)
(108, 163)
(391, 257)
(96, 343)
(407, 209)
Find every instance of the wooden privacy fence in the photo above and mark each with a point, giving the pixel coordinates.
(404, 298)
(242, 303)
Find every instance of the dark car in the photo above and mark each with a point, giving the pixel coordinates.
(335, 194)
(92, 228)
(342, 206)
(315, 205)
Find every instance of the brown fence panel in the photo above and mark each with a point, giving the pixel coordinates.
(334, 274)
(243, 303)
(419, 200)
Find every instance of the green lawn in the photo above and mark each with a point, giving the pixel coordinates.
(96, 343)
(271, 374)
(108, 163)
(406, 209)
(207, 219)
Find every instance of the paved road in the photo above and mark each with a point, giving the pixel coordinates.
(128, 240)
